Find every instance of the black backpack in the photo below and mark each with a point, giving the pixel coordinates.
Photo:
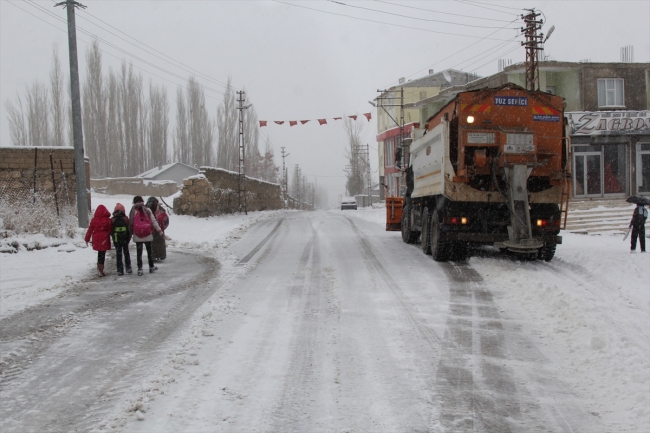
(121, 233)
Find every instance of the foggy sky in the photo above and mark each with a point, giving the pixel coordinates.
(298, 64)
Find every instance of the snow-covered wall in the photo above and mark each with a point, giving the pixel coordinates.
(134, 186)
(214, 192)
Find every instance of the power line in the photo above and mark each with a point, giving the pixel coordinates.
(441, 12)
(52, 15)
(31, 3)
(485, 54)
(452, 55)
(409, 17)
(175, 63)
(384, 22)
(479, 5)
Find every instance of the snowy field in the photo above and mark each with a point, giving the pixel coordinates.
(588, 311)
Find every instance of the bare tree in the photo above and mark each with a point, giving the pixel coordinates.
(95, 112)
(181, 142)
(201, 127)
(58, 105)
(268, 170)
(17, 123)
(228, 130)
(38, 125)
(356, 172)
(253, 159)
(132, 107)
(158, 124)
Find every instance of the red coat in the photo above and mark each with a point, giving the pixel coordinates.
(100, 229)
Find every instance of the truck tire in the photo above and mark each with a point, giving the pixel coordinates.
(408, 235)
(424, 235)
(547, 252)
(439, 248)
(459, 251)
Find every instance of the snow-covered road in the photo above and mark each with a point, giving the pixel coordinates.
(322, 321)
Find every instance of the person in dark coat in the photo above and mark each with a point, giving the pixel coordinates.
(639, 217)
(139, 208)
(158, 245)
(121, 238)
(99, 233)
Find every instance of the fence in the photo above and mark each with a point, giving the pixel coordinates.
(38, 190)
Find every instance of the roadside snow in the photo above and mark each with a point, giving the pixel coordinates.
(588, 309)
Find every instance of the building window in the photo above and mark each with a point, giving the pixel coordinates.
(610, 92)
(389, 154)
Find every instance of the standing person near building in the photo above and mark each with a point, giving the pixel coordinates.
(99, 234)
(121, 238)
(158, 245)
(639, 217)
(142, 223)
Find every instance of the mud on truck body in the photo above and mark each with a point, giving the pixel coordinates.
(490, 168)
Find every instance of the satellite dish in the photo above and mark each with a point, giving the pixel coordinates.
(447, 76)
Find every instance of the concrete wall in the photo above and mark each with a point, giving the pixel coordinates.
(134, 186)
(26, 171)
(215, 191)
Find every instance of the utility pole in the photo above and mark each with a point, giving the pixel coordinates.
(284, 178)
(395, 98)
(77, 131)
(533, 45)
(241, 180)
(305, 191)
(369, 181)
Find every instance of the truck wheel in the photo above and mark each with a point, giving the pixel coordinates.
(547, 252)
(424, 236)
(439, 248)
(408, 236)
(459, 251)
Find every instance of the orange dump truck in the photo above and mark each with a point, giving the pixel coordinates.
(490, 168)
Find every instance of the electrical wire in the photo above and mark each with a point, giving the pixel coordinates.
(441, 12)
(384, 22)
(171, 60)
(480, 5)
(82, 30)
(484, 55)
(410, 17)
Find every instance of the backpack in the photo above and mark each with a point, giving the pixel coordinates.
(141, 224)
(163, 220)
(120, 231)
(644, 213)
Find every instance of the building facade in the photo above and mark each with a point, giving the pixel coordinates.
(397, 116)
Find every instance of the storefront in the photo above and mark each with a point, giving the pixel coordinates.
(611, 153)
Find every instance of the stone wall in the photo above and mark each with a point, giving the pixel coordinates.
(215, 191)
(134, 186)
(44, 171)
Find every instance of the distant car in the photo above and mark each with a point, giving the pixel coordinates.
(349, 203)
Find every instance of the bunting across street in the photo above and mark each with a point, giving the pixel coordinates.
(263, 123)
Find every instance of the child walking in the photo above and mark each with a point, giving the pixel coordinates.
(121, 238)
(142, 223)
(99, 231)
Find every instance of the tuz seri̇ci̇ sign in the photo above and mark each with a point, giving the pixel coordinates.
(608, 122)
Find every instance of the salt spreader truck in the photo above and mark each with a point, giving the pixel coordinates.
(490, 168)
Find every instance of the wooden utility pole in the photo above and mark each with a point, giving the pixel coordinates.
(77, 131)
(533, 45)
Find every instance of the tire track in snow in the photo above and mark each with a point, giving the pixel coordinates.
(301, 388)
(94, 373)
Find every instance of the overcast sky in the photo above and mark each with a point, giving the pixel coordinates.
(301, 60)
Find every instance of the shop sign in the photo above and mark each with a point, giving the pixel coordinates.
(608, 122)
(512, 101)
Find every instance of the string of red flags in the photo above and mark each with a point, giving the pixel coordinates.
(263, 123)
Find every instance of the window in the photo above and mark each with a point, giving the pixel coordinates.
(610, 92)
(389, 153)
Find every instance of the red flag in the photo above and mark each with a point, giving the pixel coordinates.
(304, 121)
(368, 116)
(262, 123)
(337, 118)
(279, 122)
(353, 117)
(293, 122)
(322, 121)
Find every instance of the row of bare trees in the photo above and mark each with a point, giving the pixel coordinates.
(126, 123)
